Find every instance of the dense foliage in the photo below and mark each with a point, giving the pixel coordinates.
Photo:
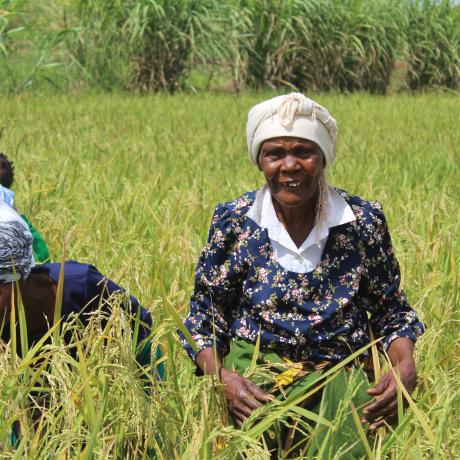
(315, 45)
(129, 183)
(151, 45)
(433, 40)
(144, 44)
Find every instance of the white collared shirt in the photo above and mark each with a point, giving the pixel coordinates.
(305, 258)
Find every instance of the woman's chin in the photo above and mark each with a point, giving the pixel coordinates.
(290, 199)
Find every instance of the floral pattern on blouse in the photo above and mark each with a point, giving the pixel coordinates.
(241, 290)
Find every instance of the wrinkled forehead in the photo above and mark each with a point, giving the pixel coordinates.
(291, 140)
(288, 142)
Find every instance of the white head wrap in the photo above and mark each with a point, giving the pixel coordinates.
(293, 115)
(16, 255)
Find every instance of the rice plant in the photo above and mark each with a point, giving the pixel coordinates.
(134, 193)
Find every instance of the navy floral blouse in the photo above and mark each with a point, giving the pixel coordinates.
(241, 290)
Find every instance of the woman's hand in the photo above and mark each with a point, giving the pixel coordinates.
(385, 409)
(243, 396)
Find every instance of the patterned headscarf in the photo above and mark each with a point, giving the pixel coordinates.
(16, 255)
(292, 115)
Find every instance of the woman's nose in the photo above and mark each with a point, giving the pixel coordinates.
(290, 163)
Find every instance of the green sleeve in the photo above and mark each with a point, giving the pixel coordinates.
(41, 252)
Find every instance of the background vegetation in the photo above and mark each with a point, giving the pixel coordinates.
(129, 183)
(151, 45)
(128, 180)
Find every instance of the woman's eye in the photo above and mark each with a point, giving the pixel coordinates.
(307, 153)
(274, 154)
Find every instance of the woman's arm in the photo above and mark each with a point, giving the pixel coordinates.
(385, 409)
(217, 290)
(391, 317)
(391, 314)
(218, 286)
(243, 396)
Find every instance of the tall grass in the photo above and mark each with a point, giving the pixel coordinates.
(154, 45)
(433, 40)
(32, 49)
(129, 183)
(101, 49)
(322, 45)
(146, 44)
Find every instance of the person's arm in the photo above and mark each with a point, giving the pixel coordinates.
(391, 318)
(385, 408)
(391, 314)
(101, 289)
(218, 285)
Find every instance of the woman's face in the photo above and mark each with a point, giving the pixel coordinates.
(292, 168)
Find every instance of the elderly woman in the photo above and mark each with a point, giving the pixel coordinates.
(298, 272)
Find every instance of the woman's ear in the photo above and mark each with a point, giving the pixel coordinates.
(258, 160)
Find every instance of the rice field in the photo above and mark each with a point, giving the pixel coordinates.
(129, 184)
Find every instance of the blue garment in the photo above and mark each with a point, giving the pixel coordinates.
(84, 289)
(7, 196)
(241, 289)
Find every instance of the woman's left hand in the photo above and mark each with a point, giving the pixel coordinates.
(385, 409)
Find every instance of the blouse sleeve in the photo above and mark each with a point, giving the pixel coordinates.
(390, 313)
(101, 289)
(218, 282)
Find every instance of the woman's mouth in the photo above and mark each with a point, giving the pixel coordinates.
(291, 184)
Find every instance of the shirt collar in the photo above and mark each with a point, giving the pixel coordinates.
(263, 213)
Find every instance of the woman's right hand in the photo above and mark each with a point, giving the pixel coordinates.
(243, 396)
